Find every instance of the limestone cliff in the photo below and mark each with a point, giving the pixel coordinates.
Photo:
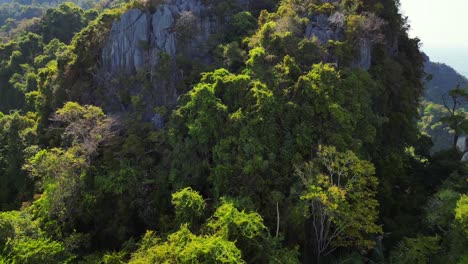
(333, 27)
(139, 40)
(141, 52)
(139, 36)
(125, 51)
(326, 28)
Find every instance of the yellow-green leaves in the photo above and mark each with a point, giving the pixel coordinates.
(86, 126)
(62, 172)
(461, 213)
(22, 241)
(233, 224)
(189, 205)
(185, 247)
(340, 200)
(228, 236)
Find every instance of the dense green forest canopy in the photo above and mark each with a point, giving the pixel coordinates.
(296, 139)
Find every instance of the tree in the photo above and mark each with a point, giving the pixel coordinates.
(457, 119)
(229, 236)
(241, 24)
(17, 135)
(340, 200)
(85, 126)
(62, 22)
(23, 241)
(189, 205)
(185, 247)
(431, 125)
(416, 250)
(62, 171)
(440, 209)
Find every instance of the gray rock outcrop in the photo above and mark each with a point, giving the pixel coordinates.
(323, 28)
(462, 146)
(138, 37)
(125, 50)
(139, 58)
(147, 44)
(326, 28)
(364, 58)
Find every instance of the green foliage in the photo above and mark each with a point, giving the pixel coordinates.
(461, 213)
(440, 79)
(51, 50)
(456, 119)
(226, 238)
(185, 247)
(86, 43)
(271, 126)
(416, 250)
(97, 181)
(189, 205)
(62, 172)
(17, 77)
(230, 223)
(62, 22)
(86, 126)
(241, 24)
(24, 242)
(223, 9)
(114, 258)
(119, 181)
(38, 251)
(440, 208)
(17, 137)
(432, 125)
(233, 57)
(340, 194)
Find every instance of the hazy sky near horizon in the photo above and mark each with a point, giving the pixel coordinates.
(442, 27)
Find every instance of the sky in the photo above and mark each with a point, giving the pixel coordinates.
(442, 27)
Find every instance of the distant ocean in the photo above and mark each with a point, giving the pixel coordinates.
(455, 57)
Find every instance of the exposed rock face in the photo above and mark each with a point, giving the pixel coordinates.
(157, 121)
(462, 145)
(163, 36)
(363, 61)
(326, 28)
(139, 36)
(145, 44)
(139, 58)
(125, 51)
(321, 27)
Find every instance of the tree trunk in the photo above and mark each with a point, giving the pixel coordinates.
(455, 140)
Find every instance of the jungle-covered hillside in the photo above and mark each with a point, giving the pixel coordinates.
(227, 131)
